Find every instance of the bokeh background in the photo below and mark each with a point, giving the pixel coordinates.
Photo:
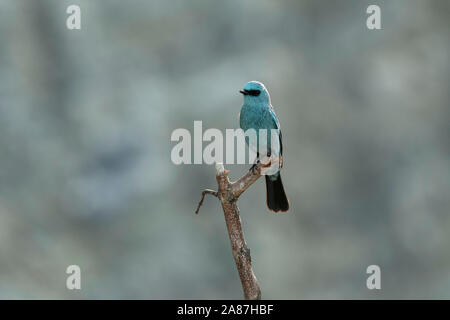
(85, 170)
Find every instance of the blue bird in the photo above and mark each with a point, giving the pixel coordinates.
(257, 113)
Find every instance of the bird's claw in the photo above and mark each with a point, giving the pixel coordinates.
(253, 167)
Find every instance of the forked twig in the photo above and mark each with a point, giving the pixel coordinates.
(204, 193)
(228, 194)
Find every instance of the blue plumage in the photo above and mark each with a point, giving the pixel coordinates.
(257, 113)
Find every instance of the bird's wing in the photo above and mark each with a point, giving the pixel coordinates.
(274, 117)
(277, 125)
(281, 146)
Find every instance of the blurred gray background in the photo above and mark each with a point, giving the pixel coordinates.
(85, 170)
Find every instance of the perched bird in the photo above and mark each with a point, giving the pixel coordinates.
(257, 113)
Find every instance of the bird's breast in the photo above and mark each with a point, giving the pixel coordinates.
(251, 117)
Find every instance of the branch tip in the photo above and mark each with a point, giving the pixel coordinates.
(220, 168)
(204, 193)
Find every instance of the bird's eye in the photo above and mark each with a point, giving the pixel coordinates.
(254, 93)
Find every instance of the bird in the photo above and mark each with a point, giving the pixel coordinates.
(257, 113)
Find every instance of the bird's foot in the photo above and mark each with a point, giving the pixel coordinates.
(253, 167)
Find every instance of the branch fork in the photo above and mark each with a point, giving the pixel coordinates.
(228, 193)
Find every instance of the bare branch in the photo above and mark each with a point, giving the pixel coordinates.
(204, 193)
(228, 194)
(247, 180)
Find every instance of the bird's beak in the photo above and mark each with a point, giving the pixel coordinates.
(244, 92)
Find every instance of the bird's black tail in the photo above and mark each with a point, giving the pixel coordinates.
(276, 197)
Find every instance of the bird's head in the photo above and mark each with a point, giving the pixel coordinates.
(255, 92)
